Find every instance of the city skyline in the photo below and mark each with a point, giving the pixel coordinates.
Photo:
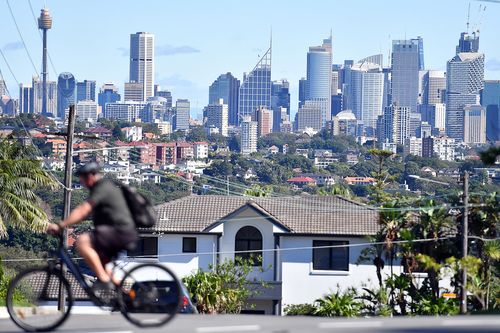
(188, 62)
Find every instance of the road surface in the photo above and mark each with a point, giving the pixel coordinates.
(115, 323)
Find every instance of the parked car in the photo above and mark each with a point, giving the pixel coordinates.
(164, 294)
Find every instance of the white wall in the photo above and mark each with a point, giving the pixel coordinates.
(249, 217)
(301, 284)
(184, 264)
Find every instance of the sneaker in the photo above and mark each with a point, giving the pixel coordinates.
(103, 286)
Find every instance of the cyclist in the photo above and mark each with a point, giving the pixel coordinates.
(114, 228)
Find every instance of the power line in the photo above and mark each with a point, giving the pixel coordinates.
(10, 70)
(21, 36)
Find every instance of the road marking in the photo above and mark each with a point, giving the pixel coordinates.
(349, 324)
(240, 328)
(470, 322)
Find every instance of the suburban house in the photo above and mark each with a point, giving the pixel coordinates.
(309, 245)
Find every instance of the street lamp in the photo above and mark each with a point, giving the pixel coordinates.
(465, 232)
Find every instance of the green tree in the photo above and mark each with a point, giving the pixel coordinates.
(20, 175)
(338, 304)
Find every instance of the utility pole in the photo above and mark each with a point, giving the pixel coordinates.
(465, 240)
(68, 172)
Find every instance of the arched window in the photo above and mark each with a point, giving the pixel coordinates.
(249, 239)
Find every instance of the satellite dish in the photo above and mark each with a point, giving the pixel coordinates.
(66, 84)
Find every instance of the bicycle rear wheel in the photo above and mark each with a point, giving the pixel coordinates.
(33, 299)
(150, 295)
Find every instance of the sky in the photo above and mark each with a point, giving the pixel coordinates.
(197, 40)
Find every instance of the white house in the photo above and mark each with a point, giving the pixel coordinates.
(309, 244)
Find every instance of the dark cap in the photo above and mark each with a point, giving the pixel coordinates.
(89, 168)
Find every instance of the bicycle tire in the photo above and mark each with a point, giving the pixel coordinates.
(172, 295)
(19, 314)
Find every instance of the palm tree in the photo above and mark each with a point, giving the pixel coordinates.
(20, 175)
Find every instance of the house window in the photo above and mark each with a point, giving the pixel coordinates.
(330, 258)
(249, 239)
(146, 247)
(188, 244)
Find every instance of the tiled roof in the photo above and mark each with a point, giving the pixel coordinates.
(301, 180)
(299, 214)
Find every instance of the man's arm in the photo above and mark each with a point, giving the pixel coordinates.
(77, 215)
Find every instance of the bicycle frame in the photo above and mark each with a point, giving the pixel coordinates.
(66, 261)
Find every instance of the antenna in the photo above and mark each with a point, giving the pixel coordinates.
(468, 18)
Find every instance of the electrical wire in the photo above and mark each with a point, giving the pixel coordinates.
(21, 36)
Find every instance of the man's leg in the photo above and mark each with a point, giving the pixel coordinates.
(87, 251)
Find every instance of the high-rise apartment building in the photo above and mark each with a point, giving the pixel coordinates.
(66, 93)
(309, 116)
(248, 135)
(85, 90)
(367, 94)
(125, 111)
(319, 77)
(433, 87)
(396, 122)
(474, 124)
(465, 80)
(182, 112)
(86, 111)
(216, 115)
(227, 87)
(255, 89)
(142, 61)
(490, 99)
(107, 94)
(444, 148)
(302, 91)
(264, 119)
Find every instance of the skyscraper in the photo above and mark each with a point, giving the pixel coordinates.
(367, 93)
(309, 116)
(255, 89)
(51, 97)
(165, 94)
(133, 91)
(465, 79)
(433, 87)
(405, 69)
(248, 135)
(182, 109)
(66, 93)
(3, 88)
(217, 116)
(302, 91)
(85, 91)
(468, 43)
(25, 99)
(226, 86)
(280, 98)
(490, 99)
(107, 94)
(319, 77)
(474, 124)
(142, 61)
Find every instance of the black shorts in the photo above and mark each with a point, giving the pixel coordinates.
(109, 241)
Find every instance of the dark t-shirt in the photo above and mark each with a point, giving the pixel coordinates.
(109, 206)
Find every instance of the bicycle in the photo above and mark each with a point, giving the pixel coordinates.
(40, 299)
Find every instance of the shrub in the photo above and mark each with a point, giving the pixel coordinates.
(300, 310)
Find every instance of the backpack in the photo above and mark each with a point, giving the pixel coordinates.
(140, 207)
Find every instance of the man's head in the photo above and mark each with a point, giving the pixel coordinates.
(89, 174)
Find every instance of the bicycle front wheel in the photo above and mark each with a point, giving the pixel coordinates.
(33, 299)
(150, 295)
